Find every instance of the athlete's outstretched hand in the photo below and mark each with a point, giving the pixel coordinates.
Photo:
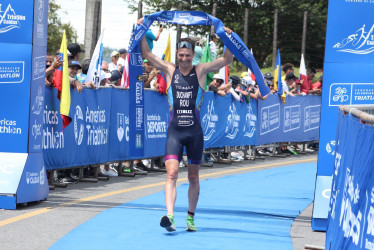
(228, 31)
(140, 21)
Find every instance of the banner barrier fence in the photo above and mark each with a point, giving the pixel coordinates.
(351, 207)
(99, 131)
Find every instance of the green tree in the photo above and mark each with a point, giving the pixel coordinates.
(56, 29)
(261, 24)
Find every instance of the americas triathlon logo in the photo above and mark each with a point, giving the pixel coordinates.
(360, 42)
(9, 19)
(78, 125)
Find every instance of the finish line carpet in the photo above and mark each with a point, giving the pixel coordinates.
(247, 211)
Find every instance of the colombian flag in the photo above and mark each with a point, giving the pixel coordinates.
(63, 85)
(278, 78)
(161, 78)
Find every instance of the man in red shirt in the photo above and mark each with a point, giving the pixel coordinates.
(306, 86)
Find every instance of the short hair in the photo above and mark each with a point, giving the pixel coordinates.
(85, 66)
(189, 40)
(312, 70)
(287, 66)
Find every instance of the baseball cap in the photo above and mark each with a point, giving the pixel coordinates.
(268, 76)
(122, 51)
(290, 76)
(115, 75)
(249, 80)
(74, 48)
(114, 53)
(243, 74)
(218, 76)
(145, 61)
(73, 63)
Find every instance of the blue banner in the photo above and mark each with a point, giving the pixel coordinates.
(351, 211)
(295, 121)
(231, 41)
(136, 104)
(100, 130)
(349, 48)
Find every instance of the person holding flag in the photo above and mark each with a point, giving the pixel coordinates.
(185, 87)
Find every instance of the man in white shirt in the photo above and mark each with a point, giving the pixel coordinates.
(122, 57)
(113, 65)
(213, 47)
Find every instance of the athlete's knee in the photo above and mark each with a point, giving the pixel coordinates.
(193, 178)
(172, 175)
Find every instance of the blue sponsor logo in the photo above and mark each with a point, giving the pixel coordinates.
(9, 19)
(351, 94)
(312, 117)
(12, 72)
(359, 42)
(291, 118)
(39, 68)
(270, 118)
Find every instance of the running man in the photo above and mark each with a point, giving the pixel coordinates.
(185, 87)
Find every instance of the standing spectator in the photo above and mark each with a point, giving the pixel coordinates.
(306, 86)
(150, 37)
(216, 85)
(75, 51)
(122, 57)
(317, 86)
(85, 65)
(149, 73)
(49, 60)
(287, 68)
(113, 64)
(288, 81)
(213, 47)
(199, 52)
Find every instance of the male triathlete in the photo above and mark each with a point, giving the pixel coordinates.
(185, 87)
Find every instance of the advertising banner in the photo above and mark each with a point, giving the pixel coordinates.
(100, 129)
(37, 88)
(15, 78)
(296, 121)
(351, 211)
(347, 80)
(40, 23)
(16, 21)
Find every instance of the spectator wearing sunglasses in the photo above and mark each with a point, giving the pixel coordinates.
(113, 64)
(216, 85)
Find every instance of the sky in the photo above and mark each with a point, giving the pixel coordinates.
(117, 22)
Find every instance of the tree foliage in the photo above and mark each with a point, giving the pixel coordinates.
(56, 29)
(261, 24)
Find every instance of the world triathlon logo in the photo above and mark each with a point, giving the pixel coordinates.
(360, 42)
(9, 19)
(209, 121)
(232, 124)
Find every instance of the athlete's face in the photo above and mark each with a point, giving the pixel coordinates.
(185, 57)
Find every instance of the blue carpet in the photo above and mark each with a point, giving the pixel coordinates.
(247, 211)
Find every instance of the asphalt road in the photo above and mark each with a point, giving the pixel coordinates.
(39, 225)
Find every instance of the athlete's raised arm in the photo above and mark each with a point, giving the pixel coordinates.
(204, 68)
(166, 67)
